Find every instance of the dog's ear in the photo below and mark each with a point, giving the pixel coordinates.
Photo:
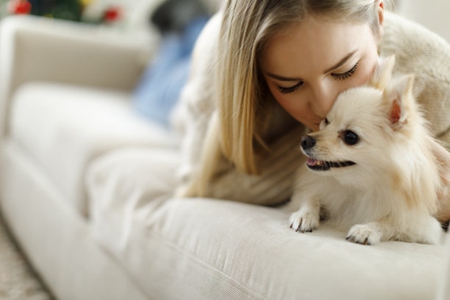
(399, 100)
(383, 73)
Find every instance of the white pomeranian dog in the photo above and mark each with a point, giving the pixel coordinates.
(370, 168)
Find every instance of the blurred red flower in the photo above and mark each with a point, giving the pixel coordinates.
(19, 7)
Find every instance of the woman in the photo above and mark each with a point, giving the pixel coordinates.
(266, 69)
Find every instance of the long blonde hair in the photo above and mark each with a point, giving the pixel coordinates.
(243, 98)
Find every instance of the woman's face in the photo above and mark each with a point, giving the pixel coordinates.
(310, 63)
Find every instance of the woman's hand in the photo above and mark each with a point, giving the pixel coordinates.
(443, 157)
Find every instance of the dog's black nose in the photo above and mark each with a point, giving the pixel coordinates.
(308, 142)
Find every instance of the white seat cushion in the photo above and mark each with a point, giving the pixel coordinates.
(444, 285)
(212, 249)
(63, 127)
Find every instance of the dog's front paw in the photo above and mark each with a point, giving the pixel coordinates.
(364, 234)
(304, 221)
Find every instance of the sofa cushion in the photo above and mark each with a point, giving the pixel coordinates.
(217, 249)
(444, 286)
(63, 127)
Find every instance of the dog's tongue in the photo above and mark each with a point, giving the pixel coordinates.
(312, 162)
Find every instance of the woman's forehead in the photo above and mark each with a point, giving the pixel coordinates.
(314, 43)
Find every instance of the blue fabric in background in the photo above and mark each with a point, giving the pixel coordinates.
(162, 82)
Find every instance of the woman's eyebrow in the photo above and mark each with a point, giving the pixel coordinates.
(340, 63)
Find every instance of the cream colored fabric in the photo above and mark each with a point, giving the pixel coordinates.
(43, 49)
(62, 128)
(213, 249)
(427, 56)
(444, 281)
(55, 237)
(417, 50)
(433, 14)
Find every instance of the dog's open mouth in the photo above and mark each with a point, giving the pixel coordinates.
(319, 165)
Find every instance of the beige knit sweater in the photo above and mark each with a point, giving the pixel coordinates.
(417, 51)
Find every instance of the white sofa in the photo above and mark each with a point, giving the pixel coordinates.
(86, 188)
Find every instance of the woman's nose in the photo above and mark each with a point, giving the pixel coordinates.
(322, 100)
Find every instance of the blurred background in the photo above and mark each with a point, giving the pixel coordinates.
(433, 14)
(125, 13)
(73, 10)
(134, 14)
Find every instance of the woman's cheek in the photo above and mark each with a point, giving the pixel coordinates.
(368, 69)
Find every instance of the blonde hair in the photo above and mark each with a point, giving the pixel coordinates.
(242, 95)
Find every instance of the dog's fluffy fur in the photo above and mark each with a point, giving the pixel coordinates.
(370, 167)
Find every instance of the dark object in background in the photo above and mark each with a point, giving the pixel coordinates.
(175, 15)
(58, 9)
(179, 23)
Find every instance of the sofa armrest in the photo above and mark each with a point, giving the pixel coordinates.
(41, 49)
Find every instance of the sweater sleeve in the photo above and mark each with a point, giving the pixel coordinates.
(275, 183)
(192, 114)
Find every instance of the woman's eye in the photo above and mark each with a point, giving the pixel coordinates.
(291, 89)
(346, 75)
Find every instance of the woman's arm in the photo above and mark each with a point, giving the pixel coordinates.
(275, 182)
(192, 114)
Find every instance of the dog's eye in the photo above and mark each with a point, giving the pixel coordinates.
(326, 121)
(350, 138)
